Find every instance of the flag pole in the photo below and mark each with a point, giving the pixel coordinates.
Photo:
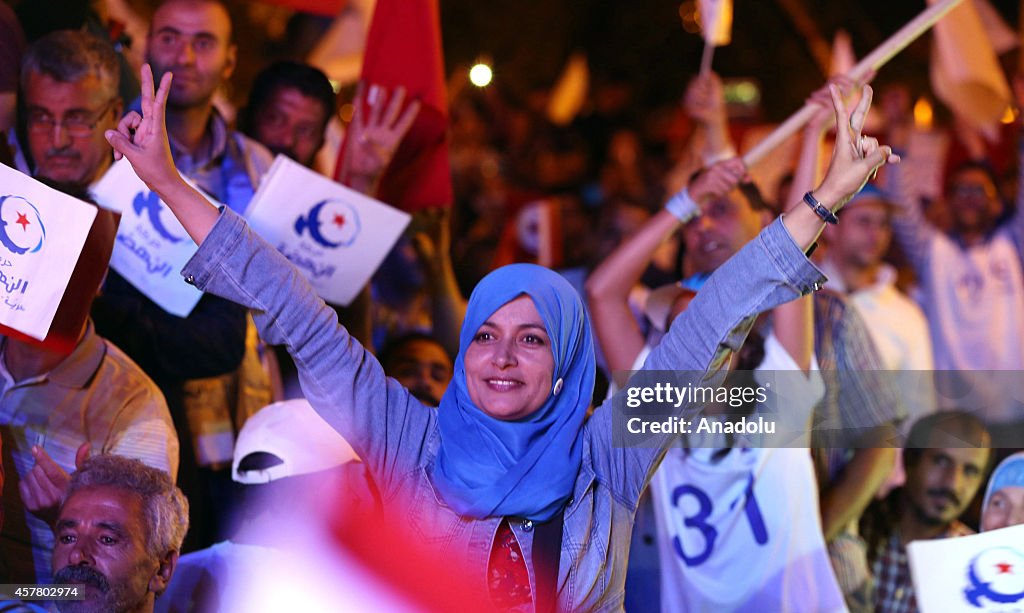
(872, 61)
(706, 57)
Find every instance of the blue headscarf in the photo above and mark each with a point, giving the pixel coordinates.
(488, 467)
(1010, 472)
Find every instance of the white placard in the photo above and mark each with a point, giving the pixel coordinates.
(42, 232)
(151, 246)
(336, 236)
(970, 574)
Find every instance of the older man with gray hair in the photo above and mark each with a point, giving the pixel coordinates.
(119, 534)
(69, 82)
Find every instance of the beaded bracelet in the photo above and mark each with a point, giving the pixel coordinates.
(820, 209)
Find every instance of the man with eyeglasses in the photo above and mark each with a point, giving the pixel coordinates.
(69, 85)
(56, 396)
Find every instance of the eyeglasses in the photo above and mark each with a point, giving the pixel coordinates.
(77, 123)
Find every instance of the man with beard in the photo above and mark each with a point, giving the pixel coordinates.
(119, 533)
(288, 110)
(193, 39)
(946, 457)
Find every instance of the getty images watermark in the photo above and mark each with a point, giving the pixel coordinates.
(669, 395)
(828, 409)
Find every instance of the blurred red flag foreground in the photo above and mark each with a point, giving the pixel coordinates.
(403, 48)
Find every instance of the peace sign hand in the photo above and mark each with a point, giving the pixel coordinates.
(855, 157)
(143, 138)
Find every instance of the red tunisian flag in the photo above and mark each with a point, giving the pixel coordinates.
(403, 48)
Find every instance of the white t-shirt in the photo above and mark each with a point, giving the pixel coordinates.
(743, 532)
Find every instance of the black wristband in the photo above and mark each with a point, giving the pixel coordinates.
(820, 209)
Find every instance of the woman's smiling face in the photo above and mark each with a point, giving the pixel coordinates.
(509, 363)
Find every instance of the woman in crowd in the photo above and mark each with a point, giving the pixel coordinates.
(1003, 505)
(509, 474)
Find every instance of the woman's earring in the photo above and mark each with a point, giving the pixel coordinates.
(558, 387)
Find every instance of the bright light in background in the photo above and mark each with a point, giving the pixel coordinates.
(480, 75)
(1010, 115)
(923, 114)
(689, 14)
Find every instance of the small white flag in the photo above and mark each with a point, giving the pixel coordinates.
(965, 72)
(983, 572)
(716, 21)
(42, 232)
(151, 246)
(336, 236)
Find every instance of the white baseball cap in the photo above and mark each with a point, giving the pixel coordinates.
(292, 431)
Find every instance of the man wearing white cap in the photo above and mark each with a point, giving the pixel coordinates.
(296, 471)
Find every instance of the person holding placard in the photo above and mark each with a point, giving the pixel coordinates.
(508, 470)
(946, 457)
(56, 406)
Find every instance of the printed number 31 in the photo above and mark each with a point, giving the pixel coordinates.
(710, 533)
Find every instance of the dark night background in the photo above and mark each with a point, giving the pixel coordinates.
(644, 41)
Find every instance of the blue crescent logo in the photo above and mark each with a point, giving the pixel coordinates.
(21, 227)
(996, 573)
(152, 205)
(330, 223)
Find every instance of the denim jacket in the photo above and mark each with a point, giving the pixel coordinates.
(398, 437)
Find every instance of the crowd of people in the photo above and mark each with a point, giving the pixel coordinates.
(421, 450)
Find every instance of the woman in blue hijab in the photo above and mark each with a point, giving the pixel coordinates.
(508, 475)
(523, 381)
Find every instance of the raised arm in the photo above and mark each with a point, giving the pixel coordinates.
(385, 425)
(912, 231)
(793, 322)
(705, 103)
(770, 270)
(608, 287)
(433, 244)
